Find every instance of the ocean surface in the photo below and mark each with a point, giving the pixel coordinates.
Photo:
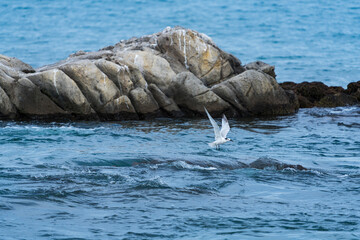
(158, 179)
(306, 40)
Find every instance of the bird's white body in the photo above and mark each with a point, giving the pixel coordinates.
(218, 142)
(220, 135)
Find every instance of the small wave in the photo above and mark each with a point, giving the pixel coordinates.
(331, 112)
(349, 125)
(83, 176)
(198, 165)
(146, 235)
(152, 183)
(343, 109)
(184, 165)
(110, 163)
(23, 140)
(5, 207)
(308, 171)
(52, 194)
(43, 126)
(222, 164)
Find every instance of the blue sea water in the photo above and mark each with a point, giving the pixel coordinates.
(306, 40)
(158, 179)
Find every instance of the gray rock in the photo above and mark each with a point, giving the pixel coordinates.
(7, 109)
(120, 108)
(256, 92)
(118, 73)
(166, 103)
(197, 53)
(14, 67)
(190, 93)
(264, 67)
(62, 90)
(155, 69)
(228, 93)
(178, 71)
(143, 102)
(98, 89)
(6, 82)
(30, 101)
(137, 77)
(82, 55)
(75, 57)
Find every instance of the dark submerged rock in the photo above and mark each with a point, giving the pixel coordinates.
(261, 163)
(337, 100)
(265, 162)
(354, 89)
(317, 94)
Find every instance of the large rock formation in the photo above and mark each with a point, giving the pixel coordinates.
(176, 72)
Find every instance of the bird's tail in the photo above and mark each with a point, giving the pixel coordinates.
(212, 144)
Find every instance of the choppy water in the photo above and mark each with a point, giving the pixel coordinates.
(306, 40)
(160, 180)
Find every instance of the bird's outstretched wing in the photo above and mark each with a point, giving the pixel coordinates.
(215, 126)
(225, 127)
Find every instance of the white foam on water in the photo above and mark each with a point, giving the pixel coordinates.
(342, 110)
(42, 128)
(184, 165)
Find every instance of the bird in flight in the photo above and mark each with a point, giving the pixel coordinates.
(220, 135)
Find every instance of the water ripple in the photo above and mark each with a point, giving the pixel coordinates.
(278, 177)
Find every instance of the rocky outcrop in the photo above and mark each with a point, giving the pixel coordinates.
(263, 67)
(14, 67)
(155, 69)
(195, 52)
(62, 90)
(6, 107)
(166, 103)
(317, 94)
(144, 102)
(191, 93)
(176, 72)
(255, 93)
(30, 101)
